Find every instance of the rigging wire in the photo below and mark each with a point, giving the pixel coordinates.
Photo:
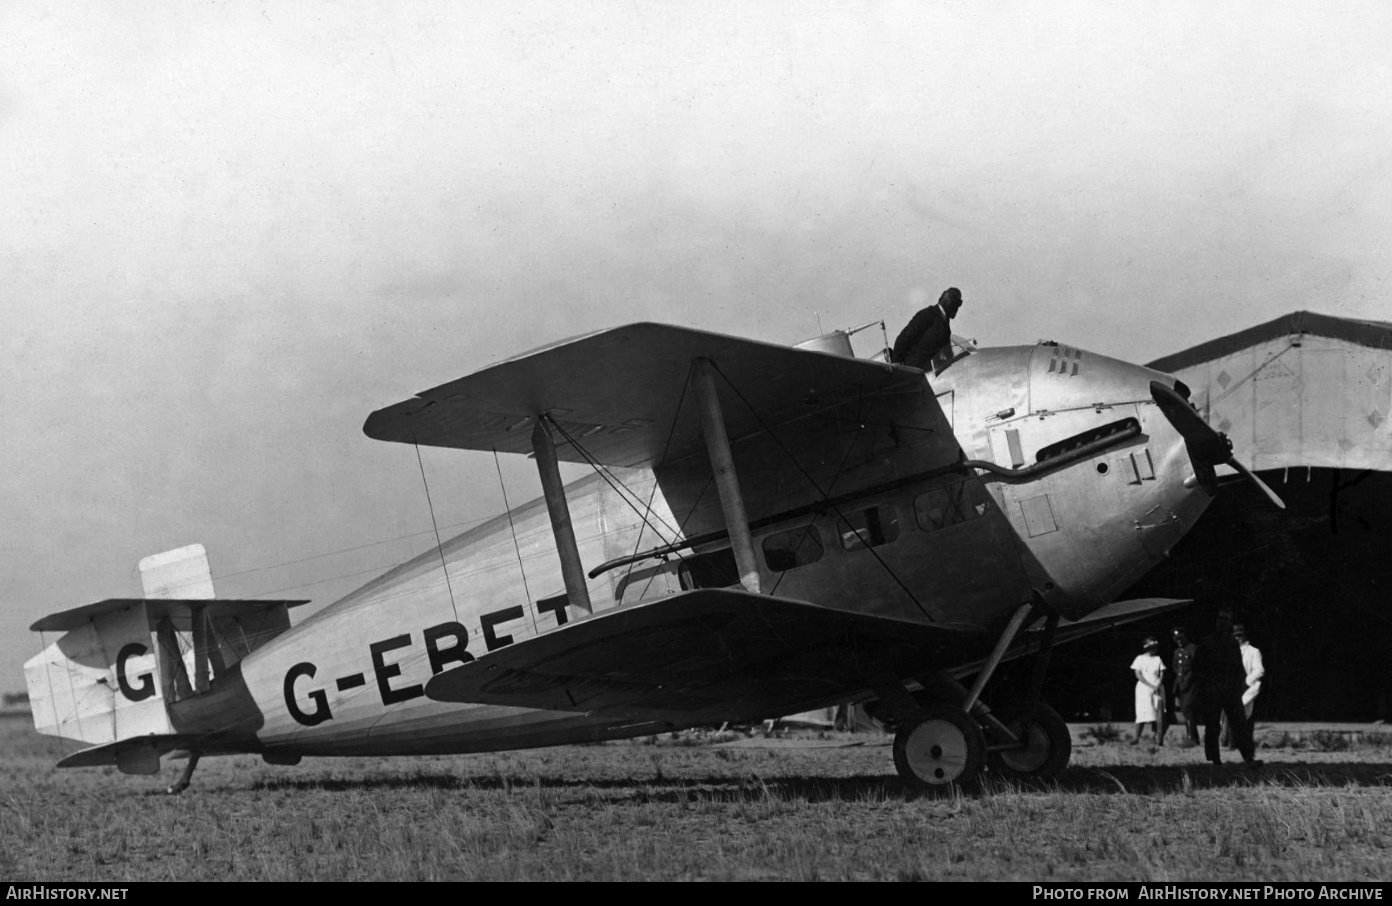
(515, 546)
(221, 577)
(343, 550)
(815, 486)
(48, 675)
(681, 530)
(1232, 388)
(860, 427)
(618, 486)
(444, 567)
(662, 460)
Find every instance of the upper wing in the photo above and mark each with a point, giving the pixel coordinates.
(619, 393)
(709, 654)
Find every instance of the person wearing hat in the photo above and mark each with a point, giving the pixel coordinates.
(1185, 686)
(928, 333)
(1150, 690)
(1221, 679)
(1254, 670)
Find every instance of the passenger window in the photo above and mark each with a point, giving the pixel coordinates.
(791, 549)
(869, 528)
(649, 581)
(716, 569)
(951, 504)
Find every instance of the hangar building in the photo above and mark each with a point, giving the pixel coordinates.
(1307, 402)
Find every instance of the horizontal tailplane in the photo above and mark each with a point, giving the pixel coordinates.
(110, 678)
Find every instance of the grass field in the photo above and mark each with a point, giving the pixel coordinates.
(816, 806)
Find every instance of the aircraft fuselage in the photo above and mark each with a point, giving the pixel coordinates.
(962, 546)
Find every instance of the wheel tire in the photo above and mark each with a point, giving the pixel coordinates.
(938, 749)
(1048, 746)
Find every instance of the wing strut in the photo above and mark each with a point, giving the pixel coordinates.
(553, 490)
(726, 481)
(201, 672)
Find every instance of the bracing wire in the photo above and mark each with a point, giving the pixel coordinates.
(515, 546)
(818, 488)
(681, 527)
(625, 493)
(53, 699)
(619, 488)
(671, 432)
(439, 545)
(850, 447)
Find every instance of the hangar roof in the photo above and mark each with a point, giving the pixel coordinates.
(1377, 334)
(1302, 390)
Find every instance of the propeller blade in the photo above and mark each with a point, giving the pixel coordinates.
(1250, 476)
(1203, 441)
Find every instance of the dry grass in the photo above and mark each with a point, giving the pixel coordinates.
(697, 809)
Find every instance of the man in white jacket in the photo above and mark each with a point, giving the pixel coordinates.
(1255, 670)
(1252, 663)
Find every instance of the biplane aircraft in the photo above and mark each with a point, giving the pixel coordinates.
(765, 530)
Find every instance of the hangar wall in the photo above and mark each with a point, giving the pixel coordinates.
(1303, 390)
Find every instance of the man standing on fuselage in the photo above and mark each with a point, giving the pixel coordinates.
(928, 333)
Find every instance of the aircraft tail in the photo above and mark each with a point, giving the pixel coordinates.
(116, 675)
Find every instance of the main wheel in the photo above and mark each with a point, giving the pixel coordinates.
(939, 748)
(1048, 746)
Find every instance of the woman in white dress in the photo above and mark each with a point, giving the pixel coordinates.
(1150, 690)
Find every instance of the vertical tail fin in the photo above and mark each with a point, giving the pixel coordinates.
(180, 573)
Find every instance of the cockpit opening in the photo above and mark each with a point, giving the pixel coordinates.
(958, 348)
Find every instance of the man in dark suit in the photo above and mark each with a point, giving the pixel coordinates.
(928, 333)
(1185, 686)
(1220, 678)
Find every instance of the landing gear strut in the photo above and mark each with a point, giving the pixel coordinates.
(945, 745)
(1044, 747)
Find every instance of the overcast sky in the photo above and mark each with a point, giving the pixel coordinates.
(229, 231)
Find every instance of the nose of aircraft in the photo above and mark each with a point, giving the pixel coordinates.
(1207, 447)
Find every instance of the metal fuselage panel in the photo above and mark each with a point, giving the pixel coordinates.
(349, 680)
(1091, 529)
(942, 546)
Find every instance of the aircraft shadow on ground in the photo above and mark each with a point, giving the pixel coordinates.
(729, 788)
(1201, 776)
(1119, 779)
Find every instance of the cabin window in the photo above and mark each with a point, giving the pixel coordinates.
(716, 569)
(1092, 434)
(951, 504)
(869, 528)
(791, 549)
(647, 582)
